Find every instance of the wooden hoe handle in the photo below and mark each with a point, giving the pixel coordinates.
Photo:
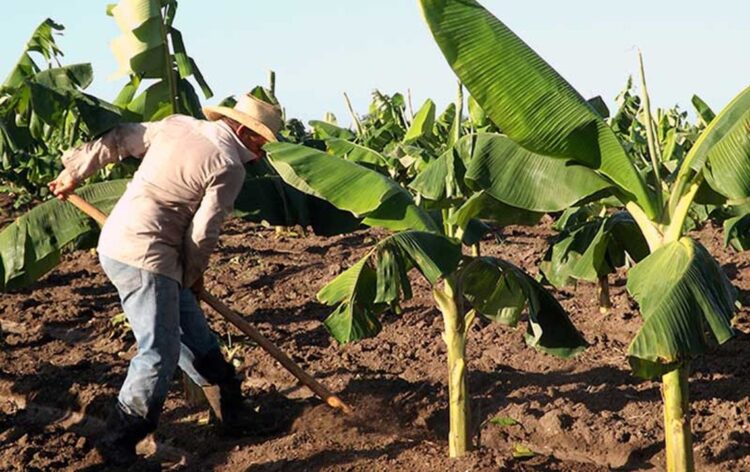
(237, 320)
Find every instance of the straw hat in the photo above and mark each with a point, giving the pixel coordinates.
(259, 116)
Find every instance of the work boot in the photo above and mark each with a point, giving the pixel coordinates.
(123, 432)
(234, 415)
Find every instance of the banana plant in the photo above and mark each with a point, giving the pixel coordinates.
(591, 246)
(686, 301)
(597, 238)
(462, 188)
(150, 47)
(386, 140)
(43, 111)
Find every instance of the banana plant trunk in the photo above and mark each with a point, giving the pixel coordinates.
(459, 437)
(677, 435)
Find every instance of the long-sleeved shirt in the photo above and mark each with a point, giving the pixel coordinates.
(169, 218)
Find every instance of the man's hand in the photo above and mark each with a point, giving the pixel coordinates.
(63, 185)
(197, 287)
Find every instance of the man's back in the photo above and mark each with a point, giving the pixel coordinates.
(187, 164)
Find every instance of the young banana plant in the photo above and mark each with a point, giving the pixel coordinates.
(458, 186)
(686, 301)
(591, 246)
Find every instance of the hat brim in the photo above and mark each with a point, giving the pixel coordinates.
(216, 113)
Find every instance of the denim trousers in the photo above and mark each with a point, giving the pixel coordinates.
(170, 330)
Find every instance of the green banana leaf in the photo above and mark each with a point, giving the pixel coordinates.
(325, 130)
(687, 304)
(481, 206)
(186, 66)
(526, 97)
(43, 42)
(720, 153)
(422, 125)
(143, 51)
(360, 154)
(477, 115)
(592, 249)
(598, 104)
(737, 232)
(723, 150)
(56, 91)
(348, 186)
(442, 180)
(269, 199)
(31, 246)
(380, 279)
(704, 111)
(501, 291)
(736, 225)
(355, 316)
(523, 179)
(445, 120)
(155, 103)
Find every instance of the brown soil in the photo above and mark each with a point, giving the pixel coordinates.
(63, 359)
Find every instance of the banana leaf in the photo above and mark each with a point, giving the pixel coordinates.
(380, 279)
(592, 249)
(348, 186)
(501, 291)
(32, 245)
(523, 179)
(269, 199)
(722, 153)
(687, 304)
(422, 125)
(526, 97)
(141, 49)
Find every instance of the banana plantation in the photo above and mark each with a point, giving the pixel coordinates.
(522, 279)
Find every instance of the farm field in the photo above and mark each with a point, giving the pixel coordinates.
(527, 277)
(63, 359)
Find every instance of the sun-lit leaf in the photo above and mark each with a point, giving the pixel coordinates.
(523, 95)
(523, 179)
(722, 151)
(340, 182)
(357, 153)
(141, 48)
(421, 126)
(687, 304)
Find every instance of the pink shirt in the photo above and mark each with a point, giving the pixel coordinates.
(169, 218)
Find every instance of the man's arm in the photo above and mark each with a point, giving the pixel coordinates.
(203, 232)
(127, 139)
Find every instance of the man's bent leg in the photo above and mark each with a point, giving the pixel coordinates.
(198, 340)
(150, 302)
(153, 313)
(202, 360)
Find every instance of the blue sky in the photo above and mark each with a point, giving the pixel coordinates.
(320, 49)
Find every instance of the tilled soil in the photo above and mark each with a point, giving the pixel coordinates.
(65, 353)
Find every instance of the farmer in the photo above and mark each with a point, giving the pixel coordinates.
(155, 247)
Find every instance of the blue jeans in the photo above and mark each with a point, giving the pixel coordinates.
(170, 329)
